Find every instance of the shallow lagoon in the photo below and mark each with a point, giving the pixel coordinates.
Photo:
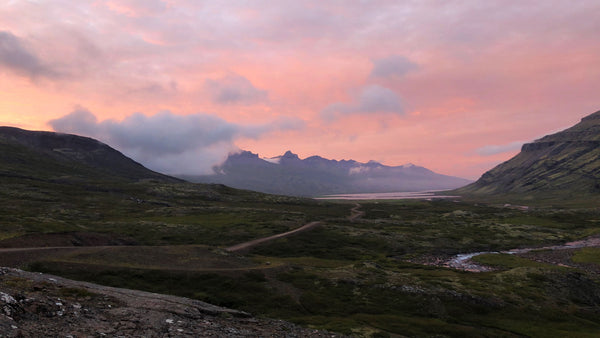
(426, 195)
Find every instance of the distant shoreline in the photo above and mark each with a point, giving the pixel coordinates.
(426, 195)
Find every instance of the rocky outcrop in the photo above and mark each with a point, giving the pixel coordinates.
(40, 305)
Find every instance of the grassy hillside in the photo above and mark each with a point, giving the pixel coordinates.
(561, 167)
(39, 154)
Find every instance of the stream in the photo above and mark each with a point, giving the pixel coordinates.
(464, 262)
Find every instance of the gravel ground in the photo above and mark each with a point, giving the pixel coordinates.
(36, 305)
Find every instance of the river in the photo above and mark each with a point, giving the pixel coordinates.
(464, 262)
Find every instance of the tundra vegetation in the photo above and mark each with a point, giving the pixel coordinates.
(373, 276)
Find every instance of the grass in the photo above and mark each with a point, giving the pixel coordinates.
(352, 277)
(506, 261)
(587, 255)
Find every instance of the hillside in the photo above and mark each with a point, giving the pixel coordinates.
(565, 165)
(41, 154)
(313, 176)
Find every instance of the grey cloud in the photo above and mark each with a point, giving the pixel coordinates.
(393, 66)
(372, 99)
(490, 150)
(15, 56)
(233, 89)
(166, 142)
(80, 121)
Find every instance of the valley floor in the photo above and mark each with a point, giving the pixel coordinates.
(361, 272)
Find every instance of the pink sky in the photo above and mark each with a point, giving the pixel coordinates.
(455, 86)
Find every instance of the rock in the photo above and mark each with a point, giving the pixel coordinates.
(39, 311)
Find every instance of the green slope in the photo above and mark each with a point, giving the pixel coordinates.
(561, 166)
(47, 155)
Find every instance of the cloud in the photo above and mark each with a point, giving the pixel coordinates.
(15, 56)
(499, 149)
(137, 8)
(372, 99)
(234, 89)
(281, 123)
(174, 144)
(393, 66)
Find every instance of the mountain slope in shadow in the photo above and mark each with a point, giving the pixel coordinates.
(561, 166)
(41, 154)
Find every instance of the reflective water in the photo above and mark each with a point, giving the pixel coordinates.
(464, 262)
(425, 195)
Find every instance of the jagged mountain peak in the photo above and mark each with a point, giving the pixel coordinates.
(374, 163)
(244, 154)
(289, 155)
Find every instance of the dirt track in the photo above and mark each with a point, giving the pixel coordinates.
(250, 244)
(355, 213)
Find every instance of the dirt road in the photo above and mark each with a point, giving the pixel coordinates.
(355, 213)
(253, 243)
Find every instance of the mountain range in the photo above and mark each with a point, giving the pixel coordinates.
(314, 176)
(561, 166)
(564, 165)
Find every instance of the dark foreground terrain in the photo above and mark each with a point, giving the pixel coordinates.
(382, 273)
(36, 305)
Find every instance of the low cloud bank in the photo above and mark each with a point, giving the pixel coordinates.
(170, 143)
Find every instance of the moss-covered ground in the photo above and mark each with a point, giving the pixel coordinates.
(371, 276)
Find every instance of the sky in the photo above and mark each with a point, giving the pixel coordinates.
(454, 86)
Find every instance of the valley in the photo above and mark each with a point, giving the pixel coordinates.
(291, 169)
(368, 268)
(366, 276)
